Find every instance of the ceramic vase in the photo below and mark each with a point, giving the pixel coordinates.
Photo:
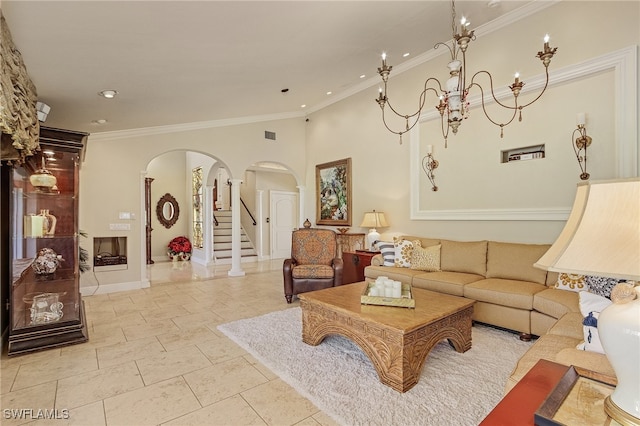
(49, 222)
(619, 329)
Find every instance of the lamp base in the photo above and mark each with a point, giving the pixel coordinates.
(618, 414)
(372, 237)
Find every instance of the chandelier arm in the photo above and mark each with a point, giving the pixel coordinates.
(452, 51)
(546, 83)
(423, 97)
(384, 121)
(473, 83)
(484, 109)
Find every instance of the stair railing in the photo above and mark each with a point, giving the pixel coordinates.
(215, 220)
(247, 209)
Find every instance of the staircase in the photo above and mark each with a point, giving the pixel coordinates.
(222, 240)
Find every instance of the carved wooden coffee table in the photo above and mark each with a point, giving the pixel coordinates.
(396, 340)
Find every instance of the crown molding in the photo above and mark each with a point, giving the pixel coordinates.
(186, 127)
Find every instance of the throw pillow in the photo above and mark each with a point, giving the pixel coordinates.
(590, 307)
(571, 282)
(601, 286)
(403, 250)
(591, 336)
(426, 259)
(388, 252)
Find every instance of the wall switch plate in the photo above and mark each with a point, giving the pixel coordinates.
(120, 227)
(124, 216)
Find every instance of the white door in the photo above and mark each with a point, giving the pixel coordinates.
(283, 220)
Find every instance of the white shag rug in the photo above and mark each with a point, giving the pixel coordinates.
(454, 388)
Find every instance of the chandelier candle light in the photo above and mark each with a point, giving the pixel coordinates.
(453, 98)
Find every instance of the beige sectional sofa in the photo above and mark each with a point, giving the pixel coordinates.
(509, 293)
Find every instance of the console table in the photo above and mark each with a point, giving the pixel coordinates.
(349, 242)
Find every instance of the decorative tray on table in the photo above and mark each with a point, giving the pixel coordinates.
(373, 294)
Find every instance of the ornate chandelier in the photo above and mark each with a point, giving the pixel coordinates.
(453, 98)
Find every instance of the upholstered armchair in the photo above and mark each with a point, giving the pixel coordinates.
(313, 264)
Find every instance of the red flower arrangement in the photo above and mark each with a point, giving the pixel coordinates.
(179, 245)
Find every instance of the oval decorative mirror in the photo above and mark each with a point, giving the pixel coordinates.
(167, 210)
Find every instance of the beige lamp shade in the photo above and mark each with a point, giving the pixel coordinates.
(602, 235)
(374, 219)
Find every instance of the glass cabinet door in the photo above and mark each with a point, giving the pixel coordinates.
(46, 307)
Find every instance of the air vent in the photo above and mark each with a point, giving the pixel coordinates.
(270, 135)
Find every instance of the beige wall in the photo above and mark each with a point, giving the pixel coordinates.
(470, 176)
(112, 176)
(386, 175)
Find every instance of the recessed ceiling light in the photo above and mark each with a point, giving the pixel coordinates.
(109, 94)
(406, 54)
(362, 76)
(328, 93)
(303, 106)
(100, 121)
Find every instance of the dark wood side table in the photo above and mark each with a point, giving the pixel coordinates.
(354, 263)
(518, 407)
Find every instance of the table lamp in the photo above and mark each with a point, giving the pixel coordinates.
(373, 220)
(602, 238)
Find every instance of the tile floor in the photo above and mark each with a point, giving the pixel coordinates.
(155, 357)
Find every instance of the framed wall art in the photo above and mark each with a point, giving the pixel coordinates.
(333, 193)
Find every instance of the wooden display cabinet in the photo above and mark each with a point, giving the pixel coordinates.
(46, 307)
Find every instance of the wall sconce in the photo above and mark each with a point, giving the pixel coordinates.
(429, 164)
(580, 145)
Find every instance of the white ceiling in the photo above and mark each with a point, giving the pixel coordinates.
(176, 62)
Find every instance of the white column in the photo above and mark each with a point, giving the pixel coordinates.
(236, 264)
(301, 196)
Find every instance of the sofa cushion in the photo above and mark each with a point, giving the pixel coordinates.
(426, 258)
(571, 282)
(515, 261)
(556, 303)
(592, 361)
(590, 333)
(424, 242)
(387, 251)
(404, 275)
(600, 285)
(590, 302)
(403, 250)
(445, 282)
(512, 293)
(569, 325)
(312, 271)
(459, 256)
(546, 347)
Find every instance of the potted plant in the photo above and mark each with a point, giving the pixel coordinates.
(179, 249)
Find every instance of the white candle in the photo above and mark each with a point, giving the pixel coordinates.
(373, 291)
(581, 119)
(429, 149)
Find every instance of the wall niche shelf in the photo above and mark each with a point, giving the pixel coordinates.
(533, 152)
